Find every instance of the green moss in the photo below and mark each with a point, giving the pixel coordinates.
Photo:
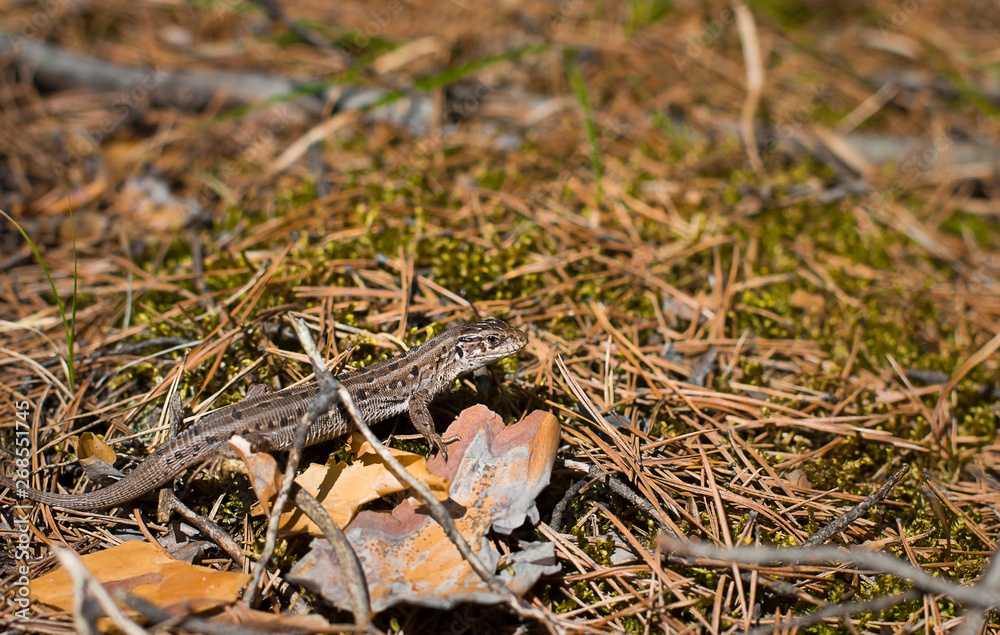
(978, 227)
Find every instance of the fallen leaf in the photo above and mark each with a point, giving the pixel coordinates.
(91, 447)
(240, 614)
(262, 469)
(342, 488)
(496, 472)
(145, 571)
(97, 459)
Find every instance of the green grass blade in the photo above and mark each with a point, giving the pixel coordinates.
(580, 91)
(68, 326)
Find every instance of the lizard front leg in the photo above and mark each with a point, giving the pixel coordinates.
(422, 421)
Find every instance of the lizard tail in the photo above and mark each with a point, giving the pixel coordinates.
(157, 469)
(59, 500)
(111, 496)
(103, 498)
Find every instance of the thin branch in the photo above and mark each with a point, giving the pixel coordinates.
(206, 525)
(595, 473)
(350, 566)
(324, 401)
(857, 511)
(874, 561)
(274, 521)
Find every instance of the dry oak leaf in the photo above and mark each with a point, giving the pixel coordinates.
(285, 622)
(147, 572)
(340, 488)
(496, 472)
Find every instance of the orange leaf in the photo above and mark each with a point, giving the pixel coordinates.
(342, 488)
(145, 571)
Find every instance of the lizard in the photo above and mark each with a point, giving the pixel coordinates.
(267, 419)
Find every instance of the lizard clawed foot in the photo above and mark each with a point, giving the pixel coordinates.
(440, 444)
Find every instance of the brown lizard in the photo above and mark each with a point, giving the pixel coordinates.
(405, 383)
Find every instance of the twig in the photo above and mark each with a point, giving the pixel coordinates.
(595, 473)
(57, 67)
(350, 566)
(271, 538)
(880, 562)
(206, 525)
(557, 512)
(986, 389)
(324, 402)
(927, 376)
(857, 511)
(134, 347)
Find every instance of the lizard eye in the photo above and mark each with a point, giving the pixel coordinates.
(492, 340)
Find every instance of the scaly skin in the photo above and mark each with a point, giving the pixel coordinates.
(405, 383)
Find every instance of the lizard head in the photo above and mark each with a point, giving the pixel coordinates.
(476, 344)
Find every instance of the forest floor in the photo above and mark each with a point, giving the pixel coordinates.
(755, 248)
